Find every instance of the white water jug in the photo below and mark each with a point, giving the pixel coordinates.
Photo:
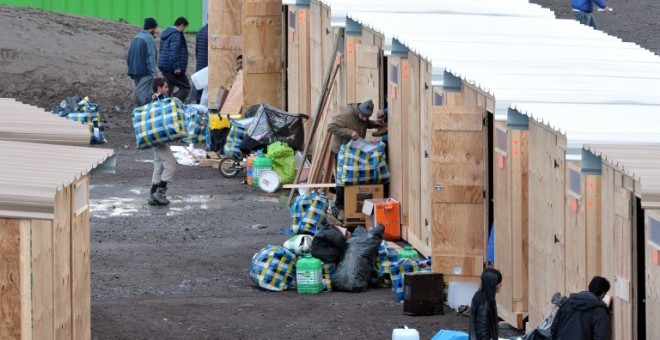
(405, 333)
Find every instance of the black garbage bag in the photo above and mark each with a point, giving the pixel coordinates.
(272, 125)
(328, 244)
(357, 269)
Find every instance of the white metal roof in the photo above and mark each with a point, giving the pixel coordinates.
(32, 173)
(586, 84)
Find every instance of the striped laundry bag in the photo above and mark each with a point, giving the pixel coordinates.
(88, 113)
(362, 162)
(236, 135)
(402, 266)
(159, 122)
(386, 256)
(308, 213)
(273, 268)
(326, 276)
(197, 123)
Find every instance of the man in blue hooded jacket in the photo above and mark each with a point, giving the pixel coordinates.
(583, 11)
(173, 60)
(141, 61)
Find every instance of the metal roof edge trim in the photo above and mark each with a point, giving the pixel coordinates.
(20, 214)
(298, 3)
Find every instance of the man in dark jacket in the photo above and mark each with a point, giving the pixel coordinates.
(202, 59)
(141, 61)
(584, 315)
(173, 59)
(350, 124)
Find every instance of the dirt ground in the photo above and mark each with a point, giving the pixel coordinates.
(181, 272)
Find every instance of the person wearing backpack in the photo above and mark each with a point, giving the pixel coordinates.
(584, 315)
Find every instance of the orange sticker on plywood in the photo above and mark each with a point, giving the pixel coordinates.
(500, 161)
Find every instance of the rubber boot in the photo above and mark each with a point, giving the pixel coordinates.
(159, 196)
(151, 201)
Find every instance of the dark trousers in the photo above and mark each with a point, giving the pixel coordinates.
(177, 80)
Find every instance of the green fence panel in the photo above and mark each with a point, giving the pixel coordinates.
(131, 11)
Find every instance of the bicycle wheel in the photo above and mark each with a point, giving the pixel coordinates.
(229, 167)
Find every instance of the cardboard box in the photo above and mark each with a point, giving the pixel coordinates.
(354, 197)
(423, 293)
(386, 212)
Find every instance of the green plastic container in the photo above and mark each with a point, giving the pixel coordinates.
(309, 275)
(260, 164)
(408, 253)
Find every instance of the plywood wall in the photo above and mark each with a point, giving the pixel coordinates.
(411, 209)
(48, 264)
(652, 293)
(547, 154)
(225, 43)
(511, 186)
(618, 249)
(263, 58)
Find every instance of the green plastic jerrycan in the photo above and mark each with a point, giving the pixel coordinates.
(309, 275)
(408, 253)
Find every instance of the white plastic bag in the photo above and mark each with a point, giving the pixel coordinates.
(299, 244)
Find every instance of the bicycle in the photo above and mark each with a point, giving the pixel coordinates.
(230, 167)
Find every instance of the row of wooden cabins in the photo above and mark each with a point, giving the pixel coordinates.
(45, 274)
(501, 115)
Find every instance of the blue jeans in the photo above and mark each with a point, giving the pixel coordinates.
(585, 18)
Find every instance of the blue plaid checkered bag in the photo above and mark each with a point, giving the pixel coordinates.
(402, 266)
(159, 122)
(234, 140)
(386, 256)
(308, 212)
(273, 268)
(85, 112)
(362, 163)
(327, 273)
(197, 123)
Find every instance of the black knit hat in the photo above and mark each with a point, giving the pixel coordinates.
(150, 23)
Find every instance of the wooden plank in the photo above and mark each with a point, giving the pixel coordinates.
(80, 268)
(520, 217)
(234, 102)
(351, 68)
(458, 265)
(316, 33)
(623, 246)
(407, 95)
(42, 278)
(309, 185)
(10, 279)
(515, 319)
(576, 237)
(394, 134)
(457, 230)
(25, 283)
(225, 26)
(426, 206)
(470, 121)
(411, 204)
(62, 263)
(262, 54)
(293, 83)
(304, 76)
(503, 227)
(367, 77)
(593, 224)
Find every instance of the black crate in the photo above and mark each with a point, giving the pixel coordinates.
(423, 293)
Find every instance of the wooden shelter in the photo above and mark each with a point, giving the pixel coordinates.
(44, 224)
